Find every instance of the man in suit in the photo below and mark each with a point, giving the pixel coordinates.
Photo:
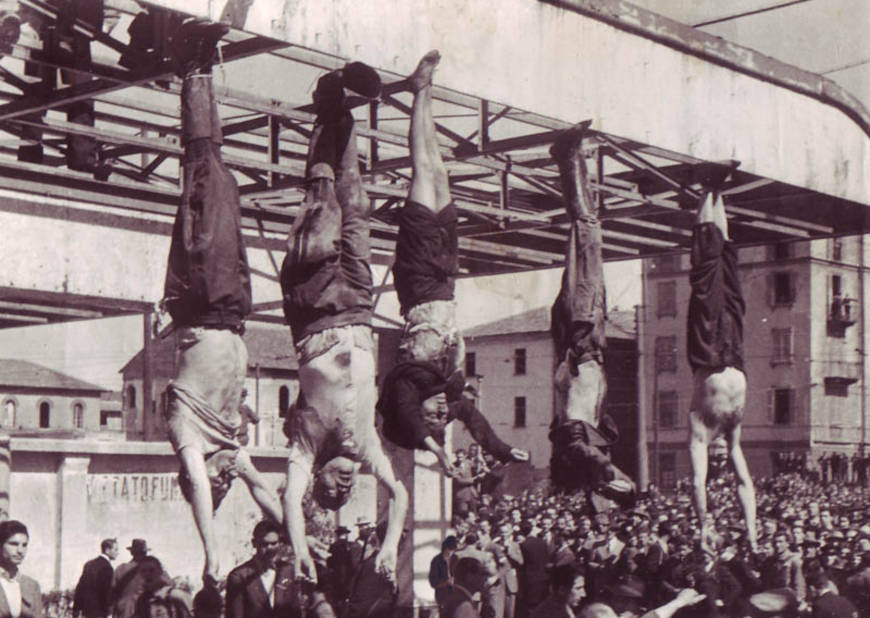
(263, 586)
(93, 594)
(826, 601)
(470, 577)
(533, 578)
(440, 571)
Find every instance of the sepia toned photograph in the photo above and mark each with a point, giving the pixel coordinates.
(434, 308)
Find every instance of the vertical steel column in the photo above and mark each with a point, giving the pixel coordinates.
(147, 380)
(274, 148)
(373, 141)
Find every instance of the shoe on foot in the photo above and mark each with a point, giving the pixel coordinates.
(194, 45)
(569, 141)
(422, 75)
(361, 79)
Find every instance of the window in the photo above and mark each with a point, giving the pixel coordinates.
(283, 401)
(666, 296)
(111, 420)
(668, 407)
(44, 415)
(783, 289)
(78, 416)
(519, 411)
(520, 362)
(836, 286)
(782, 402)
(470, 364)
(131, 396)
(668, 468)
(837, 249)
(837, 387)
(781, 251)
(7, 413)
(666, 353)
(782, 352)
(666, 263)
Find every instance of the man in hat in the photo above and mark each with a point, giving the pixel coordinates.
(340, 563)
(127, 583)
(326, 282)
(424, 391)
(715, 352)
(208, 294)
(581, 430)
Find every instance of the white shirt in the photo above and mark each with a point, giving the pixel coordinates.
(12, 590)
(268, 579)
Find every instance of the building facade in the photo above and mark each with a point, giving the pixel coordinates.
(36, 399)
(804, 345)
(511, 363)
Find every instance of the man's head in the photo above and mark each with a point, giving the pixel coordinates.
(138, 549)
(449, 545)
(825, 518)
(434, 410)
(781, 543)
(334, 481)
(267, 540)
(568, 584)
(110, 548)
(151, 572)
(470, 574)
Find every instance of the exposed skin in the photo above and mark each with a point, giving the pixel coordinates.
(338, 477)
(13, 552)
(430, 187)
(718, 399)
(202, 506)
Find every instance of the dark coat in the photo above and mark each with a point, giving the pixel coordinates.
(93, 594)
(247, 598)
(533, 579)
(832, 605)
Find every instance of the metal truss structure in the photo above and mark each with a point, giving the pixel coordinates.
(503, 180)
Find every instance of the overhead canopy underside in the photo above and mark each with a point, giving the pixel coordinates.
(509, 79)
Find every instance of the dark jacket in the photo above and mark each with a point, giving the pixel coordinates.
(247, 598)
(459, 605)
(439, 576)
(533, 579)
(831, 605)
(406, 387)
(93, 594)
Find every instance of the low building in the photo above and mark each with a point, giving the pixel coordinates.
(511, 362)
(37, 399)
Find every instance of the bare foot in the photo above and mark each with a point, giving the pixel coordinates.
(422, 75)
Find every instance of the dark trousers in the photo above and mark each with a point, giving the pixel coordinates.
(579, 313)
(208, 281)
(326, 276)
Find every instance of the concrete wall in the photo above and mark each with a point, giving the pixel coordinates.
(73, 493)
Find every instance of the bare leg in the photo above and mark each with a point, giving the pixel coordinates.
(745, 488)
(712, 210)
(262, 495)
(699, 440)
(429, 185)
(201, 505)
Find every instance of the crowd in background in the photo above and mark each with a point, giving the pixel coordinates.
(814, 545)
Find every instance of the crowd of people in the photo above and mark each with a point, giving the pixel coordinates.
(813, 552)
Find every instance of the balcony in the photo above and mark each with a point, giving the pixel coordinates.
(842, 314)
